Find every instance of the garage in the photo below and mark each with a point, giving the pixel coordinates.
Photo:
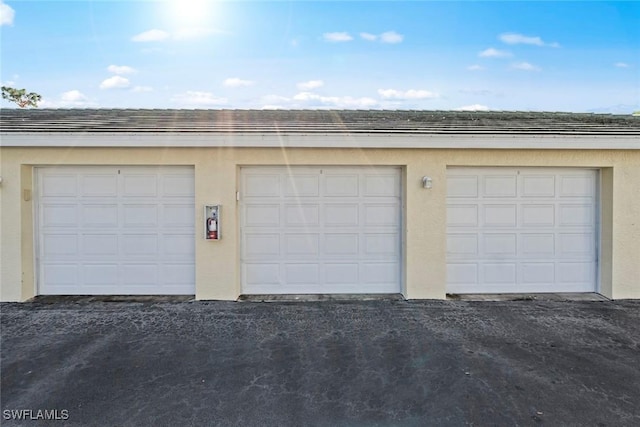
(514, 230)
(320, 230)
(110, 230)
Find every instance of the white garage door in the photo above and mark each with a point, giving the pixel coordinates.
(521, 230)
(310, 230)
(115, 230)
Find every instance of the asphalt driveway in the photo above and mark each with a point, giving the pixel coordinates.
(371, 363)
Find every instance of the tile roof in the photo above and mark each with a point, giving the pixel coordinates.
(314, 121)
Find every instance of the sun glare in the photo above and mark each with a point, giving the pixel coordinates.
(189, 12)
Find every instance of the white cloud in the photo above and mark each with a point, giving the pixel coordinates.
(7, 14)
(391, 37)
(156, 35)
(386, 37)
(70, 99)
(198, 99)
(310, 85)
(337, 37)
(306, 96)
(368, 36)
(115, 82)
(346, 102)
(494, 53)
(515, 38)
(141, 89)
(621, 65)
(475, 67)
(121, 69)
(524, 66)
(408, 94)
(151, 36)
(474, 107)
(73, 96)
(237, 82)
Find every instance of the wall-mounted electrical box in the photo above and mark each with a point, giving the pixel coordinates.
(212, 222)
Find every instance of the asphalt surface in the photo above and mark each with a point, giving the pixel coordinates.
(371, 363)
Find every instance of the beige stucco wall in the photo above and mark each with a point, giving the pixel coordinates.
(216, 181)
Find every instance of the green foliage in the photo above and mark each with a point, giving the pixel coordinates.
(21, 97)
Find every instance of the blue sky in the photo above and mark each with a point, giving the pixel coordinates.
(541, 55)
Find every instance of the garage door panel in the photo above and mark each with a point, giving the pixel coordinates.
(178, 274)
(307, 215)
(538, 186)
(177, 215)
(382, 244)
(499, 186)
(499, 273)
(261, 215)
(342, 273)
(537, 244)
(461, 274)
(341, 185)
(302, 245)
(381, 214)
(575, 272)
(58, 185)
(139, 215)
(341, 244)
(61, 274)
(381, 185)
(503, 244)
(99, 275)
(262, 185)
(543, 227)
(341, 215)
(59, 215)
(577, 186)
(260, 245)
(302, 274)
(120, 229)
(576, 214)
(100, 245)
(337, 228)
(262, 273)
(462, 215)
(462, 186)
(60, 245)
(500, 215)
(575, 244)
(302, 186)
(99, 215)
(381, 273)
(140, 274)
(462, 244)
(140, 245)
(538, 215)
(538, 272)
(99, 185)
(139, 185)
(178, 246)
(178, 185)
